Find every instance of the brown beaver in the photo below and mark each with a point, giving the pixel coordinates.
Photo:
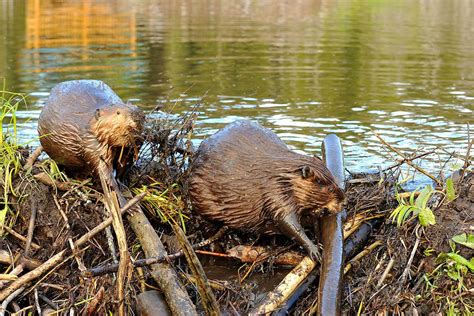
(85, 123)
(246, 177)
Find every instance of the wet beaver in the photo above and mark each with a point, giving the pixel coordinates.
(246, 177)
(85, 123)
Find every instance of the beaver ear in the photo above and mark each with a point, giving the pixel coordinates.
(306, 172)
(97, 114)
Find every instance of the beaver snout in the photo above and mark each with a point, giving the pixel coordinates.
(335, 206)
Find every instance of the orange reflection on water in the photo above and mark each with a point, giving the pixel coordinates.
(89, 25)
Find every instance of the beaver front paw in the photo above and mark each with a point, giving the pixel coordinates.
(314, 253)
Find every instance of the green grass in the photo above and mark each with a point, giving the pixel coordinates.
(164, 203)
(10, 163)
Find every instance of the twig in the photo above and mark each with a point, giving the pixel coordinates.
(362, 254)
(410, 159)
(407, 160)
(410, 260)
(53, 261)
(285, 288)
(208, 300)
(468, 152)
(386, 272)
(32, 158)
(48, 301)
(37, 305)
(45, 179)
(31, 228)
(97, 271)
(19, 237)
(112, 204)
(8, 299)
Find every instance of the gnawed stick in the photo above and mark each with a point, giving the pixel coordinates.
(57, 258)
(112, 204)
(287, 286)
(353, 241)
(208, 299)
(164, 275)
(45, 179)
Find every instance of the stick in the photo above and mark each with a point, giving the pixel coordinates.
(97, 271)
(19, 237)
(8, 299)
(112, 204)
(407, 160)
(57, 258)
(176, 296)
(361, 254)
(386, 272)
(208, 300)
(31, 228)
(45, 179)
(410, 260)
(32, 158)
(287, 286)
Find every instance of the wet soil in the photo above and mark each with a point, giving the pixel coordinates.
(243, 284)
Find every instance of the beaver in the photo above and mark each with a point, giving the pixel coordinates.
(84, 123)
(245, 177)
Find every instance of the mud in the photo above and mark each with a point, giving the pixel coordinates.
(164, 159)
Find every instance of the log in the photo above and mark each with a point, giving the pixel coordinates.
(164, 275)
(330, 281)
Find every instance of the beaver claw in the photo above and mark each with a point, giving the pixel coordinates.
(314, 253)
(290, 226)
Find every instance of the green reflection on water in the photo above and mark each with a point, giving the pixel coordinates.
(404, 68)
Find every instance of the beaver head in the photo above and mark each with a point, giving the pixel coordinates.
(314, 189)
(118, 125)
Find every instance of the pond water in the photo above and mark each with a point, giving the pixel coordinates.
(305, 68)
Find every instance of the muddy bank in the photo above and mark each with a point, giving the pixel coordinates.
(409, 266)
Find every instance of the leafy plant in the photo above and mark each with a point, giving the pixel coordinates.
(465, 240)
(417, 207)
(450, 193)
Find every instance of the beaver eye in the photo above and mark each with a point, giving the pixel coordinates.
(331, 189)
(118, 112)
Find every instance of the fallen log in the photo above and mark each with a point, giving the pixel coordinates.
(164, 275)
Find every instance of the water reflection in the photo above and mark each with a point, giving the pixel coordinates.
(304, 68)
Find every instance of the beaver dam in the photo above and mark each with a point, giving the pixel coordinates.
(405, 251)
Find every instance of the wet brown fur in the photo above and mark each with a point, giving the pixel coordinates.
(85, 122)
(245, 177)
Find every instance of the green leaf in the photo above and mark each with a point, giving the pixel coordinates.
(424, 197)
(465, 240)
(426, 217)
(403, 214)
(450, 194)
(461, 260)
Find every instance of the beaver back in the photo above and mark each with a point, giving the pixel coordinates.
(246, 177)
(65, 122)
